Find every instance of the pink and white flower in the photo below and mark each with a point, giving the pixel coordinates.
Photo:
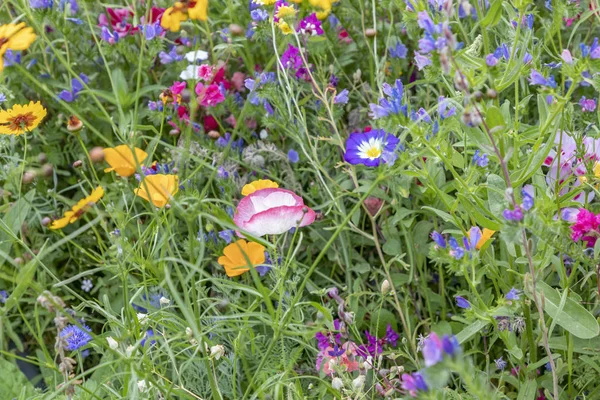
(272, 211)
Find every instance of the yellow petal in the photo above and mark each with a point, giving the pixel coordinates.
(121, 159)
(257, 185)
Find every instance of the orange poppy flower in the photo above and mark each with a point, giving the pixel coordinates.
(158, 188)
(121, 159)
(236, 256)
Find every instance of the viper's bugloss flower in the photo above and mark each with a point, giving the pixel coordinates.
(259, 15)
(240, 255)
(588, 105)
(123, 160)
(3, 296)
(480, 159)
(422, 61)
(76, 337)
(413, 383)
(392, 103)
(342, 97)
(369, 148)
(272, 211)
(513, 295)
(500, 363)
(293, 156)
(438, 239)
(535, 78)
(170, 57)
(461, 302)
(399, 50)
(41, 4)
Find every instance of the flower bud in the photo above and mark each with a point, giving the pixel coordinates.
(337, 383)
(47, 170)
(28, 177)
(359, 382)
(385, 287)
(164, 301)
(236, 30)
(46, 221)
(174, 132)
(217, 351)
(214, 134)
(97, 154)
(77, 164)
(370, 32)
(112, 343)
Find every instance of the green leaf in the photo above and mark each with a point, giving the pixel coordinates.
(528, 390)
(442, 214)
(12, 222)
(493, 15)
(496, 188)
(14, 383)
(572, 316)
(471, 330)
(494, 118)
(380, 320)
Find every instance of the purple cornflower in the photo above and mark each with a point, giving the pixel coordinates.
(76, 337)
(293, 156)
(481, 159)
(337, 351)
(398, 51)
(291, 59)
(368, 148)
(311, 26)
(513, 294)
(438, 239)
(76, 87)
(342, 97)
(535, 78)
(587, 104)
(391, 104)
(461, 302)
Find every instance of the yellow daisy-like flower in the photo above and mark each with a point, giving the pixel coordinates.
(198, 10)
(14, 37)
(160, 188)
(121, 159)
(236, 256)
(257, 185)
(284, 27)
(286, 11)
(78, 209)
(172, 18)
(21, 118)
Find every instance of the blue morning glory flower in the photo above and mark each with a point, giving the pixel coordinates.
(368, 148)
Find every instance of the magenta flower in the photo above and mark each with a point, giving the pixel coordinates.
(311, 26)
(291, 58)
(209, 96)
(587, 104)
(178, 87)
(272, 211)
(205, 72)
(586, 227)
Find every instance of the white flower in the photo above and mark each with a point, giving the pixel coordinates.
(112, 343)
(86, 285)
(129, 351)
(194, 56)
(142, 387)
(264, 134)
(337, 383)
(359, 382)
(217, 351)
(164, 301)
(191, 72)
(143, 318)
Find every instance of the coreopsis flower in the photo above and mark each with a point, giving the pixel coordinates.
(158, 188)
(122, 159)
(238, 255)
(14, 37)
(76, 337)
(258, 185)
(78, 209)
(272, 211)
(371, 148)
(21, 118)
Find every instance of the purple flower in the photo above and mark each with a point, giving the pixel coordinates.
(443, 110)
(337, 351)
(513, 294)
(342, 97)
(566, 57)
(421, 61)
(450, 345)
(455, 250)
(12, 57)
(391, 336)
(148, 336)
(587, 104)
(432, 350)
(367, 148)
(528, 194)
(535, 78)
(76, 337)
(311, 26)
(413, 383)
(513, 215)
(72, 3)
(3, 296)
(227, 235)
(474, 237)
(171, 56)
(291, 58)
(108, 36)
(491, 60)
(438, 239)
(425, 22)
(480, 159)
(43, 4)
(500, 363)
(293, 156)
(222, 173)
(392, 103)
(259, 15)
(152, 30)
(398, 51)
(462, 302)
(323, 341)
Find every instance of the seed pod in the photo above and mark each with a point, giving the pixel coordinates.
(97, 154)
(214, 134)
(370, 32)
(47, 170)
(77, 164)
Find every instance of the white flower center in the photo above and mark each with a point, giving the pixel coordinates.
(371, 149)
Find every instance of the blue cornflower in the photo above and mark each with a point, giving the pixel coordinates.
(342, 97)
(76, 337)
(392, 103)
(462, 302)
(293, 156)
(481, 159)
(500, 363)
(369, 148)
(398, 51)
(513, 294)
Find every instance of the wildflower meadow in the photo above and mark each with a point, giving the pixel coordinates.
(299, 199)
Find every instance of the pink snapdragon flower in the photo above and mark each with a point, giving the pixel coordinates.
(272, 211)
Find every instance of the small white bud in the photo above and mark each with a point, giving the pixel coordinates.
(143, 318)
(129, 351)
(217, 351)
(263, 134)
(142, 387)
(385, 287)
(164, 301)
(112, 343)
(337, 383)
(359, 382)
(189, 332)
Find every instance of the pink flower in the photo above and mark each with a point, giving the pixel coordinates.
(205, 72)
(237, 81)
(210, 95)
(178, 87)
(272, 211)
(344, 357)
(586, 227)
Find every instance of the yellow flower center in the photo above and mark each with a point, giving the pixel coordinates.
(374, 152)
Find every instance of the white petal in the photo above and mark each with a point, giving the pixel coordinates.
(194, 56)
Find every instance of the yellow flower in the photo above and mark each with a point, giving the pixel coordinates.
(14, 37)
(324, 5)
(78, 209)
(286, 11)
(296, 1)
(160, 188)
(265, 2)
(284, 27)
(257, 185)
(121, 159)
(20, 119)
(485, 236)
(235, 255)
(198, 10)
(172, 18)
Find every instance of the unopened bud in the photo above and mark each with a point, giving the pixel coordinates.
(46, 221)
(491, 94)
(97, 154)
(236, 30)
(214, 134)
(385, 287)
(28, 177)
(174, 132)
(337, 383)
(47, 170)
(43, 158)
(77, 164)
(370, 32)
(112, 343)
(359, 382)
